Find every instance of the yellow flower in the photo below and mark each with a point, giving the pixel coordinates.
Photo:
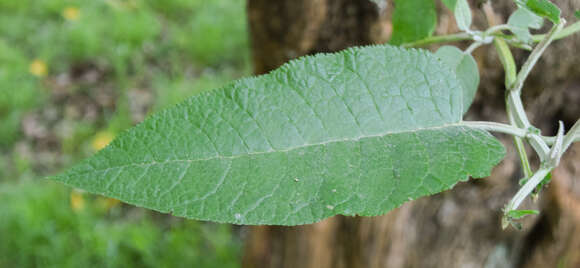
(77, 201)
(71, 13)
(38, 68)
(108, 203)
(102, 139)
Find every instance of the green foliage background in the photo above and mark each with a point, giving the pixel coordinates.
(170, 49)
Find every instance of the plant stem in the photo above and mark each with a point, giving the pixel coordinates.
(472, 47)
(533, 58)
(520, 146)
(497, 28)
(439, 39)
(527, 188)
(507, 60)
(516, 107)
(539, 146)
(513, 101)
(497, 127)
(572, 136)
(523, 157)
(570, 30)
(509, 65)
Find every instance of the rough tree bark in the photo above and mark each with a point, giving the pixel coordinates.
(457, 228)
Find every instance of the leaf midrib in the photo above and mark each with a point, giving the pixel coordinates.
(152, 163)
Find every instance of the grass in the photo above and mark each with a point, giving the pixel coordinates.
(49, 50)
(41, 229)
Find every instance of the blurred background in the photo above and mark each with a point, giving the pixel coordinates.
(73, 75)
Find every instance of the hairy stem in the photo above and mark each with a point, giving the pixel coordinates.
(572, 136)
(567, 31)
(507, 60)
(528, 188)
(535, 56)
(439, 39)
(539, 146)
(497, 28)
(472, 47)
(497, 127)
(516, 107)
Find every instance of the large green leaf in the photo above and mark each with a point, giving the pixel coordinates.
(465, 68)
(413, 20)
(356, 132)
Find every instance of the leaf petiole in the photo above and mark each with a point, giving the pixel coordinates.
(439, 39)
(497, 127)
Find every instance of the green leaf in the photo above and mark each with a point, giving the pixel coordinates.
(518, 214)
(577, 14)
(544, 182)
(543, 8)
(450, 4)
(465, 69)
(462, 14)
(413, 20)
(358, 132)
(521, 21)
(461, 11)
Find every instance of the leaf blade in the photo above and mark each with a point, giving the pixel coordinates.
(462, 14)
(413, 20)
(546, 9)
(325, 135)
(465, 68)
(521, 21)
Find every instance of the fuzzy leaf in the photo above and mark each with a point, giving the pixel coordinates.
(413, 20)
(543, 8)
(521, 21)
(465, 69)
(356, 133)
(462, 14)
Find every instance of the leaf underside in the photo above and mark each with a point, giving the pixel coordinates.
(465, 69)
(356, 133)
(521, 21)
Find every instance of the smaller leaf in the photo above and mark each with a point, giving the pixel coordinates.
(450, 4)
(521, 21)
(518, 214)
(413, 20)
(544, 182)
(465, 68)
(544, 8)
(462, 14)
(577, 14)
(523, 181)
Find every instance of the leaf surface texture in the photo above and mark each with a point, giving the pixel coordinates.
(356, 132)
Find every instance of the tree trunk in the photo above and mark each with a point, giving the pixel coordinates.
(456, 228)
